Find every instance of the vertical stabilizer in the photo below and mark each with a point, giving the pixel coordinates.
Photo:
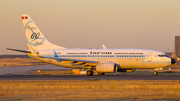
(35, 38)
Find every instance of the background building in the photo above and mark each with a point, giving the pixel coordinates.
(177, 46)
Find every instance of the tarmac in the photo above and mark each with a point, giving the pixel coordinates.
(94, 77)
(23, 69)
(22, 73)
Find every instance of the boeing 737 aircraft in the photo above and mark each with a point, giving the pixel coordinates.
(100, 60)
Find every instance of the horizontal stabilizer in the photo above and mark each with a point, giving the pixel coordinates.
(24, 51)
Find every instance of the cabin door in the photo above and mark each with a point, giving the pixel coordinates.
(50, 54)
(149, 58)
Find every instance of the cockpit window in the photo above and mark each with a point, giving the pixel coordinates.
(163, 55)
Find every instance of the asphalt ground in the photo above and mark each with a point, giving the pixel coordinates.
(94, 77)
(22, 73)
(21, 69)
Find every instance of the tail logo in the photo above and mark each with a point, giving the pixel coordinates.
(35, 38)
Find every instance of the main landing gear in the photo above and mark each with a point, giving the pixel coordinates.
(89, 73)
(101, 73)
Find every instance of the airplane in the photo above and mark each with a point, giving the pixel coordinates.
(99, 60)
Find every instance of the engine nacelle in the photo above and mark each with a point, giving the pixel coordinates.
(126, 70)
(106, 67)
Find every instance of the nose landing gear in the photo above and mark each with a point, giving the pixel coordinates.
(155, 73)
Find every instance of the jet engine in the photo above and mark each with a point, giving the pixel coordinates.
(106, 67)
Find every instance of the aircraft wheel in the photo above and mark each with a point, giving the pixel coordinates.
(89, 73)
(155, 73)
(101, 73)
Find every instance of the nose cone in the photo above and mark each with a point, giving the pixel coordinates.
(173, 61)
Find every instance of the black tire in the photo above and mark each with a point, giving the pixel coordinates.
(155, 73)
(101, 73)
(89, 73)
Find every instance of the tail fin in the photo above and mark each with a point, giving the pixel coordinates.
(35, 37)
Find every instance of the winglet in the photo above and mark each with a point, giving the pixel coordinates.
(32, 51)
(104, 47)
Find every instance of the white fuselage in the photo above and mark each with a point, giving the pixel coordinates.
(126, 58)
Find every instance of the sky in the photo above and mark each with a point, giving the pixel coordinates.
(142, 24)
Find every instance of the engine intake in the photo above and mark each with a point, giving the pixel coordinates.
(106, 67)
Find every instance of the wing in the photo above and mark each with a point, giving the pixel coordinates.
(76, 62)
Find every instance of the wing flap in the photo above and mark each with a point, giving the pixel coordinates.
(74, 60)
